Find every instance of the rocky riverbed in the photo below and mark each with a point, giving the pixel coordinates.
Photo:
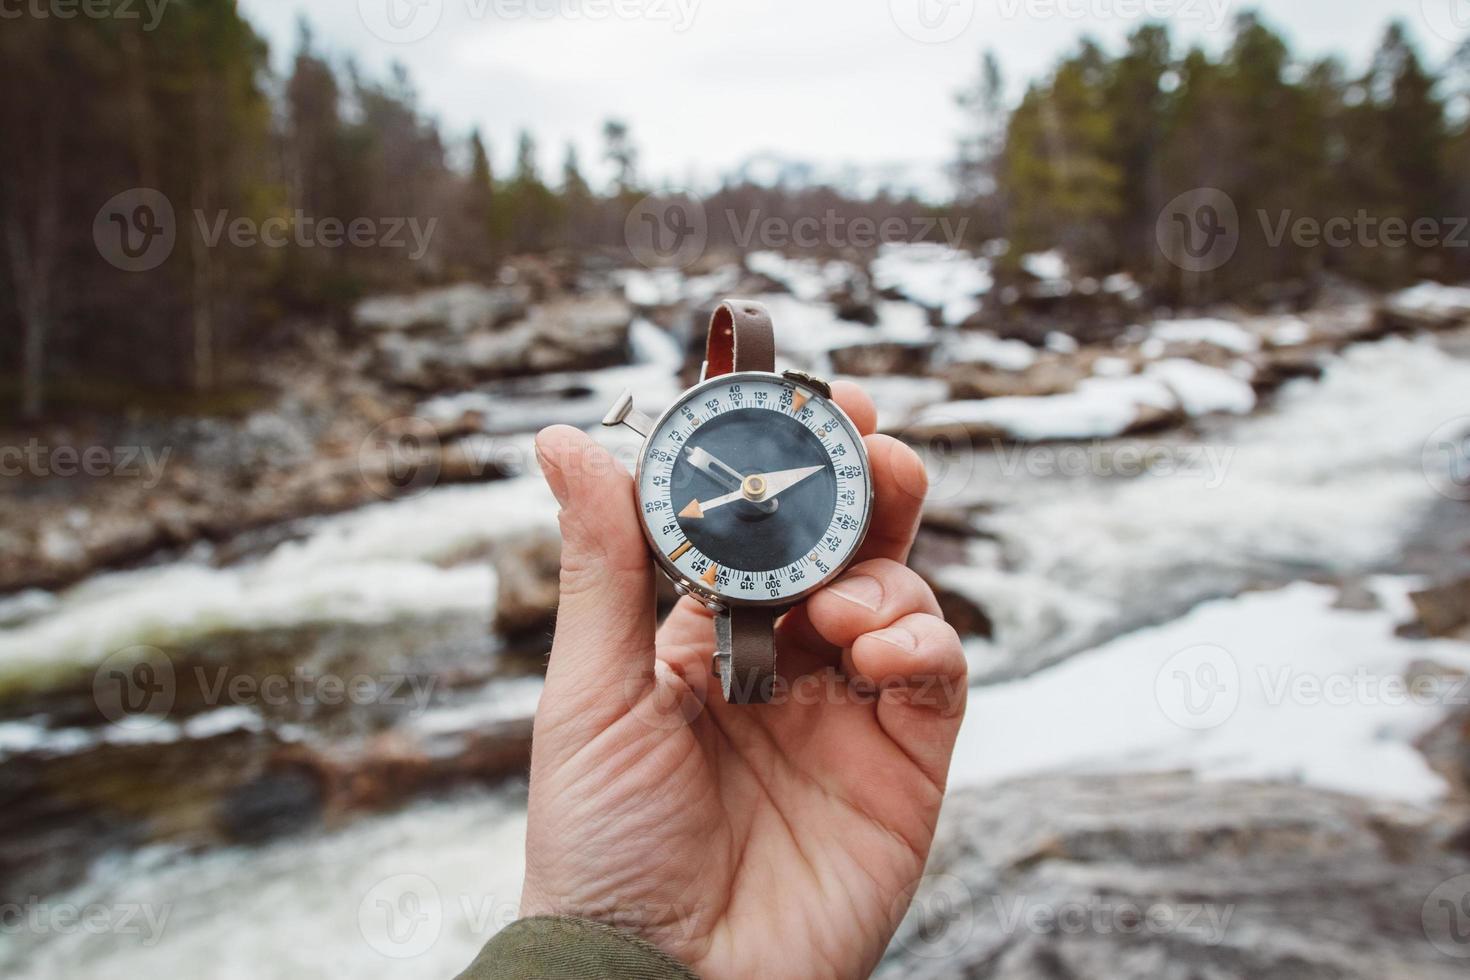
(320, 629)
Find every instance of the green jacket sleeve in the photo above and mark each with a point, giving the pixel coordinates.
(573, 949)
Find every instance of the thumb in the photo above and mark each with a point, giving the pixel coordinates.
(605, 619)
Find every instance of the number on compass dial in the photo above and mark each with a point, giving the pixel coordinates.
(755, 487)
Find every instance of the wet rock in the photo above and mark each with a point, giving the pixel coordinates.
(283, 801)
(527, 573)
(1169, 878)
(1446, 746)
(458, 310)
(563, 335)
(1428, 306)
(884, 359)
(1442, 611)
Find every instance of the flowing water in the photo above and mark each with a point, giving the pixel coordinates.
(1328, 481)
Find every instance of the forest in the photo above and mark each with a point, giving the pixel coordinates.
(1084, 160)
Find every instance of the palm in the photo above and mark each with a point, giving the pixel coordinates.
(714, 829)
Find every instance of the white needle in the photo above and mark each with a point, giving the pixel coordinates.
(777, 482)
(725, 473)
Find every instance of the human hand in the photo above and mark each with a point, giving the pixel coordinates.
(780, 840)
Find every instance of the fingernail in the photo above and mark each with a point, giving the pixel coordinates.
(550, 472)
(897, 636)
(864, 590)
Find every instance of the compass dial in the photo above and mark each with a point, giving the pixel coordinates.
(755, 488)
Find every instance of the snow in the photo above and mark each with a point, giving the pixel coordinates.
(1061, 343)
(1099, 408)
(933, 275)
(1218, 333)
(1434, 299)
(1111, 367)
(809, 331)
(1275, 685)
(983, 347)
(808, 279)
(1201, 389)
(651, 287)
(1291, 331)
(1046, 265)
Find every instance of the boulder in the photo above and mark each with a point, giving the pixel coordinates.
(883, 359)
(527, 575)
(564, 335)
(1442, 611)
(1165, 877)
(458, 310)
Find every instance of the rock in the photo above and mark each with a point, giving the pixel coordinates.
(854, 300)
(1165, 877)
(1446, 746)
(1427, 306)
(280, 801)
(564, 335)
(883, 359)
(1442, 611)
(1050, 376)
(941, 555)
(458, 310)
(1355, 594)
(527, 574)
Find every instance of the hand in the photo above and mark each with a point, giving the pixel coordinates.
(780, 840)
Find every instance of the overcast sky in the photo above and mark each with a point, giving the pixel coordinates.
(705, 84)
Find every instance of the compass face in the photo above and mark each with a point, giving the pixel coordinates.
(755, 488)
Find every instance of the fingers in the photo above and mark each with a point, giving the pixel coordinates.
(869, 596)
(899, 486)
(918, 665)
(858, 406)
(605, 617)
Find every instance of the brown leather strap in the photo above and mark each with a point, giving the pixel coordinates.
(740, 339)
(745, 658)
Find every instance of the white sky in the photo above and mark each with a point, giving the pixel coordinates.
(705, 84)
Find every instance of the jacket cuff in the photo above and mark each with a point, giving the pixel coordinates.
(574, 949)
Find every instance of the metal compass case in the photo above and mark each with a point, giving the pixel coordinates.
(755, 491)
